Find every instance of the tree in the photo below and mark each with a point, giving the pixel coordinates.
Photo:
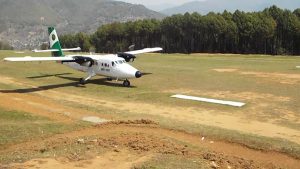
(272, 31)
(5, 46)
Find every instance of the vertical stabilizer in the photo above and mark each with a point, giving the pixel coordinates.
(54, 42)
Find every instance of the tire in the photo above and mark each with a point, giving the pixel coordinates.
(82, 81)
(126, 83)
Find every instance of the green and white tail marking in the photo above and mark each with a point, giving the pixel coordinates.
(54, 42)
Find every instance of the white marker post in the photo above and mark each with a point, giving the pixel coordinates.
(223, 102)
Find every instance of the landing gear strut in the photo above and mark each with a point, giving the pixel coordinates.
(126, 83)
(90, 74)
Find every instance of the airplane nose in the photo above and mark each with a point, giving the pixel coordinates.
(138, 74)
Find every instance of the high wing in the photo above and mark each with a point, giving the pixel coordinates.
(56, 50)
(146, 50)
(36, 59)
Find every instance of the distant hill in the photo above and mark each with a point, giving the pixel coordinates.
(23, 23)
(204, 7)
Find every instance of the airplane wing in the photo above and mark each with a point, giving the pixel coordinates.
(146, 50)
(36, 59)
(56, 50)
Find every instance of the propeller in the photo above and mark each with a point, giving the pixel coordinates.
(131, 47)
(83, 61)
(128, 57)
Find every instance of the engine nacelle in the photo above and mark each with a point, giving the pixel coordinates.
(128, 57)
(84, 61)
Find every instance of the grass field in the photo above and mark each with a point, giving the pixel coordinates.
(270, 85)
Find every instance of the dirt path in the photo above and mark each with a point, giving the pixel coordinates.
(195, 115)
(139, 142)
(41, 105)
(143, 141)
(123, 159)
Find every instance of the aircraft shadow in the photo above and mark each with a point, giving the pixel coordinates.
(48, 75)
(100, 81)
(75, 83)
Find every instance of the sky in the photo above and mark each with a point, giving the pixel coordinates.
(157, 4)
(154, 2)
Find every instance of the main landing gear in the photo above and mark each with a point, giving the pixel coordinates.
(91, 74)
(126, 83)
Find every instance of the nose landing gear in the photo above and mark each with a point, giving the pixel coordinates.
(126, 83)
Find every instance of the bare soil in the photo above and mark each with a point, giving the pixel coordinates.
(130, 143)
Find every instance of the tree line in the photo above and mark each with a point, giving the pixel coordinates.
(5, 46)
(272, 31)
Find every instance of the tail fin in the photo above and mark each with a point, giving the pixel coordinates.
(54, 42)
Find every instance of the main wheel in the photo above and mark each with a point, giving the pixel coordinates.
(82, 81)
(126, 83)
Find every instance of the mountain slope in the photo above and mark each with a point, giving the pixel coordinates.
(204, 7)
(24, 23)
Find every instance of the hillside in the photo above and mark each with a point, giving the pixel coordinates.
(204, 7)
(23, 23)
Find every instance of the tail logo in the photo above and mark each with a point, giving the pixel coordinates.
(53, 38)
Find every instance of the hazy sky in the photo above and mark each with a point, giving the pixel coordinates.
(155, 2)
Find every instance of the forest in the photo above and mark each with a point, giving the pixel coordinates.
(5, 46)
(272, 31)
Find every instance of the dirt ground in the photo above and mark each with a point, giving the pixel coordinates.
(41, 101)
(130, 143)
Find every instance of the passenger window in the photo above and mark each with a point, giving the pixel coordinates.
(113, 63)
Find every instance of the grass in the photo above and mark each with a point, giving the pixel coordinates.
(192, 73)
(16, 127)
(173, 161)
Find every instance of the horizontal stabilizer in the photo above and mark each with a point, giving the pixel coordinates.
(72, 49)
(36, 59)
(56, 50)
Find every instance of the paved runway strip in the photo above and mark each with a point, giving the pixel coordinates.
(224, 102)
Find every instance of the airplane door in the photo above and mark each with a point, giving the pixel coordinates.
(113, 69)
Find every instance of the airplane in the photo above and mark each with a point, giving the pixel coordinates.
(112, 66)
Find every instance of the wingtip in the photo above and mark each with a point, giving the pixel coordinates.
(6, 59)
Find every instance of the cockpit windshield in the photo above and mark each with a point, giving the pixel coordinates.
(120, 61)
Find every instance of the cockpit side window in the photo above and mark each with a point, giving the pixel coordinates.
(113, 63)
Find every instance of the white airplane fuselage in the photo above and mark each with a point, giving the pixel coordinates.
(110, 66)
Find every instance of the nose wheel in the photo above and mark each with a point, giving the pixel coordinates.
(82, 81)
(126, 83)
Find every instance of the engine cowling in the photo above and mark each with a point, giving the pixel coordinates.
(128, 57)
(84, 61)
